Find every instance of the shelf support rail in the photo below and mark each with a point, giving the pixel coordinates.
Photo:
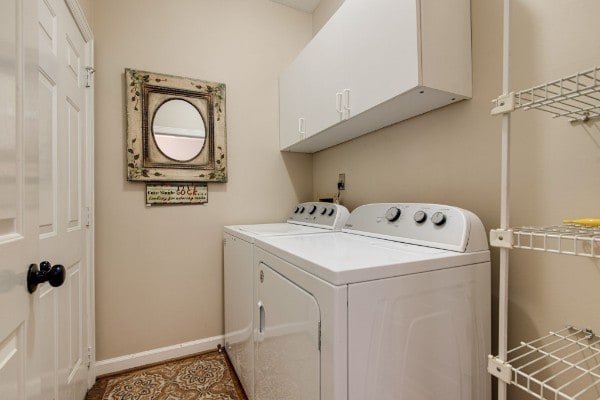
(504, 214)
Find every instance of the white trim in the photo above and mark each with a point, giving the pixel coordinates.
(136, 360)
(80, 20)
(91, 229)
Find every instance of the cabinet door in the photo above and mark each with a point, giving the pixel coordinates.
(293, 100)
(380, 50)
(326, 76)
(287, 356)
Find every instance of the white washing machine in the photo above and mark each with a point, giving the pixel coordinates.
(238, 241)
(396, 306)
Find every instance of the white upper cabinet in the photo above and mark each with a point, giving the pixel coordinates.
(374, 63)
(293, 86)
(326, 74)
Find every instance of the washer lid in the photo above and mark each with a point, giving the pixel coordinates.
(250, 232)
(343, 258)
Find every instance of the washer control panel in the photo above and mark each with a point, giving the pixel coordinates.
(433, 225)
(320, 214)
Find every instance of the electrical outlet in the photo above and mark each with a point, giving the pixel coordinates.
(341, 182)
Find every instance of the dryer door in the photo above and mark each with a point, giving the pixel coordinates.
(287, 354)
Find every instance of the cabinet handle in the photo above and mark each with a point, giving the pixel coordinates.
(261, 322)
(301, 126)
(338, 104)
(347, 103)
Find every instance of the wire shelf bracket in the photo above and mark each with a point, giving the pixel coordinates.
(499, 368)
(575, 97)
(502, 238)
(504, 104)
(568, 239)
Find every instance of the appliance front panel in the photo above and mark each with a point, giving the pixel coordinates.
(421, 337)
(237, 260)
(287, 352)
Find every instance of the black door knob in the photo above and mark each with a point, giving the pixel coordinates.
(55, 275)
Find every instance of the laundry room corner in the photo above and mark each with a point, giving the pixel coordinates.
(159, 270)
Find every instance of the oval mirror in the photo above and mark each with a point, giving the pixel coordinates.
(179, 130)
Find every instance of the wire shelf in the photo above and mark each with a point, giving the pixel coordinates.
(576, 97)
(564, 239)
(563, 365)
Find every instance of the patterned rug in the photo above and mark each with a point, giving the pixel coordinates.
(207, 376)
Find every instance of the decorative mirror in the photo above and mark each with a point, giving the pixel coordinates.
(175, 128)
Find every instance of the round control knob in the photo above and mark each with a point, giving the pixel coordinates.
(393, 214)
(323, 210)
(312, 209)
(420, 216)
(438, 218)
(331, 211)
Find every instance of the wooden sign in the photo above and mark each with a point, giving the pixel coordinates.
(176, 193)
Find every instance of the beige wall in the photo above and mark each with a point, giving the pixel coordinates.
(452, 156)
(159, 270)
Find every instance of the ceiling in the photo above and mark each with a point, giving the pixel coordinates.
(302, 5)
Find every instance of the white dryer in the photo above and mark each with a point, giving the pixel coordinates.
(396, 306)
(238, 241)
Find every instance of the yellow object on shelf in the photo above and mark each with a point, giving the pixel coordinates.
(583, 221)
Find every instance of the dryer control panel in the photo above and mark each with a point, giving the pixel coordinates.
(323, 215)
(431, 225)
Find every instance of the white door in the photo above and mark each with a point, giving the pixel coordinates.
(63, 315)
(18, 194)
(287, 355)
(44, 335)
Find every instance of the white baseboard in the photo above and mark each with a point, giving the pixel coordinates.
(153, 356)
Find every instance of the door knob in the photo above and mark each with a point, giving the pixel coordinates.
(55, 275)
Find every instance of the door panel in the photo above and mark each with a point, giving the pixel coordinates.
(48, 190)
(18, 192)
(287, 323)
(12, 366)
(239, 344)
(62, 196)
(45, 349)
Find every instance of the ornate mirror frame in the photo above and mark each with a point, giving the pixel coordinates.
(145, 93)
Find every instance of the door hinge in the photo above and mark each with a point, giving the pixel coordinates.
(89, 357)
(89, 72)
(88, 217)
